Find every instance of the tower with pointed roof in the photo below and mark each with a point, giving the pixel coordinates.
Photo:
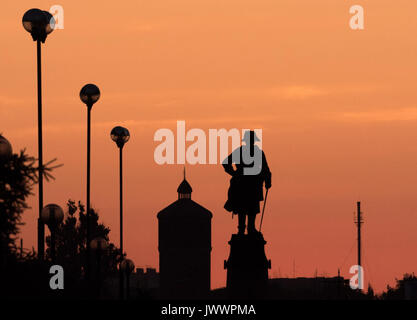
(184, 244)
(184, 189)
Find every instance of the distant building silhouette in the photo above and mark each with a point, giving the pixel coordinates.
(143, 284)
(184, 244)
(410, 289)
(302, 288)
(309, 288)
(148, 280)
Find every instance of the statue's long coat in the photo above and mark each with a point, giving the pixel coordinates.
(245, 191)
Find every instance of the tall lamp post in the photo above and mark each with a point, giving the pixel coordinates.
(6, 153)
(89, 95)
(99, 245)
(52, 215)
(6, 150)
(127, 266)
(120, 135)
(39, 24)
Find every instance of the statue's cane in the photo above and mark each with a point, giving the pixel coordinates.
(263, 210)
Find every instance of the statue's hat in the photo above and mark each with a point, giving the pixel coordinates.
(247, 135)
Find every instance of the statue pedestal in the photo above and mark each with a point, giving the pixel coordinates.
(247, 267)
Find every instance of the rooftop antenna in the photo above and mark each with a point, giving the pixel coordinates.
(338, 282)
(293, 266)
(359, 222)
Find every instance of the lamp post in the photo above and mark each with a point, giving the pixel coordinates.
(99, 245)
(52, 215)
(120, 135)
(6, 150)
(89, 95)
(127, 266)
(39, 24)
(6, 153)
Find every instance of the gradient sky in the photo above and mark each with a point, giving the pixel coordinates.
(337, 108)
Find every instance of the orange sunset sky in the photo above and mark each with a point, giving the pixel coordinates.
(337, 108)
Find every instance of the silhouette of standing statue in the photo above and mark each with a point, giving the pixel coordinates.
(246, 185)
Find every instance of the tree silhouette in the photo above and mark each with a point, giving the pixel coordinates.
(17, 177)
(71, 245)
(21, 275)
(398, 292)
(370, 294)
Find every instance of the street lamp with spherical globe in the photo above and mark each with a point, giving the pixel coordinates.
(89, 95)
(127, 266)
(99, 245)
(120, 136)
(6, 150)
(52, 215)
(39, 24)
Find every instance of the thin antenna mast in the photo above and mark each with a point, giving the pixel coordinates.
(359, 222)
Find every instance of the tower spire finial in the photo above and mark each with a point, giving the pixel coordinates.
(184, 189)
